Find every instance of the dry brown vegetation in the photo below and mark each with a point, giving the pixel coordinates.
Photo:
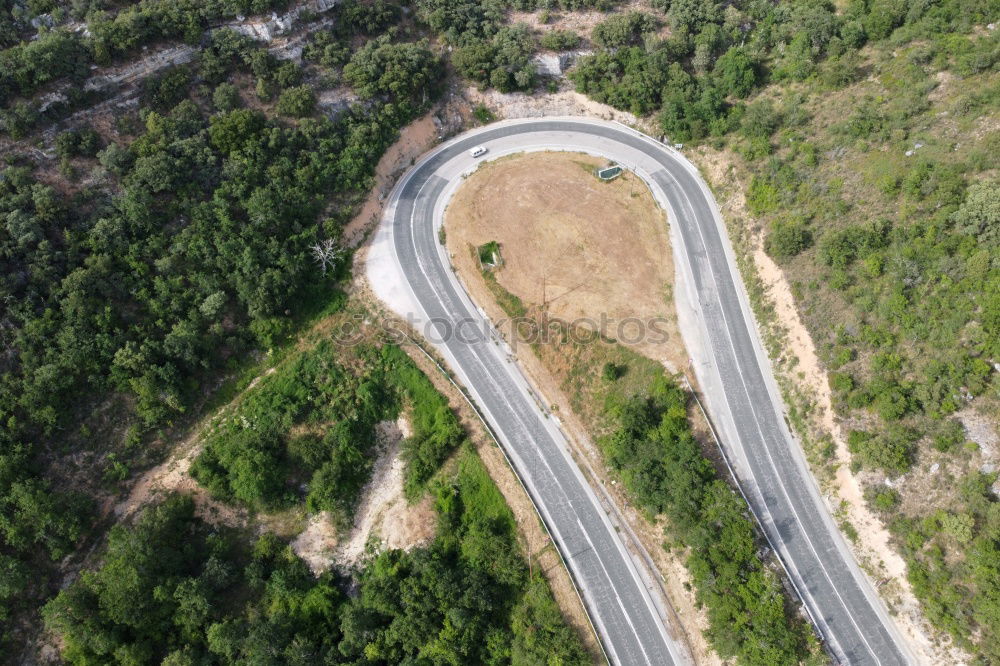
(576, 247)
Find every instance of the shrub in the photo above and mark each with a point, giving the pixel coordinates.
(489, 253)
(787, 239)
(560, 40)
(760, 120)
(612, 371)
(72, 143)
(882, 498)
(891, 450)
(949, 435)
(762, 197)
(297, 102)
(840, 248)
(979, 214)
(622, 29)
(483, 114)
(841, 382)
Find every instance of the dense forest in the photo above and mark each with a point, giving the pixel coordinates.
(188, 248)
(174, 590)
(169, 251)
(176, 249)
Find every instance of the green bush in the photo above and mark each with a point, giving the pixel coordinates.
(841, 382)
(762, 197)
(297, 102)
(483, 114)
(891, 450)
(979, 214)
(661, 464)
(622, 29)
(760, 120)
(559, 40)
(226, 97)
(787, 239)
(882, 499)
(840, 248)
(489, 253)
(612, 371)
(950, 434)
(72, 143)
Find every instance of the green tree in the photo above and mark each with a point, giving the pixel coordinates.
(502, 62)
(297, 102)
(408, 71)
(736, 72)
(226, 97)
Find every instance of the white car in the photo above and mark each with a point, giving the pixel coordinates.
(478, 151)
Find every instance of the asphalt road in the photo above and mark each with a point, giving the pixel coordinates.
(409, 269)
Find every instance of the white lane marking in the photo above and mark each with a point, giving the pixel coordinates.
(397, 195)
(756, 416)
(770, 458)
(524, 428)
(682, 162)
(617, 596)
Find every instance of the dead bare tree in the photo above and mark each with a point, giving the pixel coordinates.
(326, 253)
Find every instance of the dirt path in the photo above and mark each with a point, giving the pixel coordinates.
(414, 140)
(841, 489)
(173, 475)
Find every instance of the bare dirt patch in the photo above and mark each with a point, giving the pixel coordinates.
(383, 518)
(532, 536)
(577, 247)
(563, 103)
(316, 543)
(172, 476)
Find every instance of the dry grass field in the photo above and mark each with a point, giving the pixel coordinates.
(572, 246)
